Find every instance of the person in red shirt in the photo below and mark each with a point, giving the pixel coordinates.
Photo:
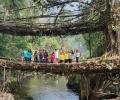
(52, 57)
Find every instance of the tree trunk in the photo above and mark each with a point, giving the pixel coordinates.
(84, 87)
(111, 36)
(118, 42)
(111, 39)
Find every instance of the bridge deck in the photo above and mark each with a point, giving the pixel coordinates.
(89, 66)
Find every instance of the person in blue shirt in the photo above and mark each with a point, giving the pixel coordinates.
(29, 55)
(25, 56)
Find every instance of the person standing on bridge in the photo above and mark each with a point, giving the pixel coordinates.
(25, 56)
(43, 56)
(40, 56)
(66, 56)
(77, 55)
(35, 56)
(52, 57)
(71, 56)
(56, 55)
(61, 56)
(29, 55)
(46, 57)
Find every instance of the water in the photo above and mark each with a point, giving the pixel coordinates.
(48, 88)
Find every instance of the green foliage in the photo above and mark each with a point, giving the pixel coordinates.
(95, 42)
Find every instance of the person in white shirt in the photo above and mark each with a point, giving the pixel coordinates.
(56, 54)
(77, 55)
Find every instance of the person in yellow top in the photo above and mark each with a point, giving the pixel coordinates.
(61, 57)
(66, 56)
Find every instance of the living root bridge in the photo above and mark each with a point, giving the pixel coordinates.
(86, 67)
(24, 30)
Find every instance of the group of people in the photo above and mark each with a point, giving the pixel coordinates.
(65, 56)
(57, 56)
(41, 56)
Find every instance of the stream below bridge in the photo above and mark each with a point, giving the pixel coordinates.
(45, 87)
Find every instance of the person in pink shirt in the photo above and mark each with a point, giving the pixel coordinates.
(52, 57)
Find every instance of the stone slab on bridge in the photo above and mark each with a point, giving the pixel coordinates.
(89, 66)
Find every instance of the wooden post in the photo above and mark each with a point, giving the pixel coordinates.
(4, 76)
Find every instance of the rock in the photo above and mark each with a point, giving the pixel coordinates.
(6, 96)
(29, 98)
